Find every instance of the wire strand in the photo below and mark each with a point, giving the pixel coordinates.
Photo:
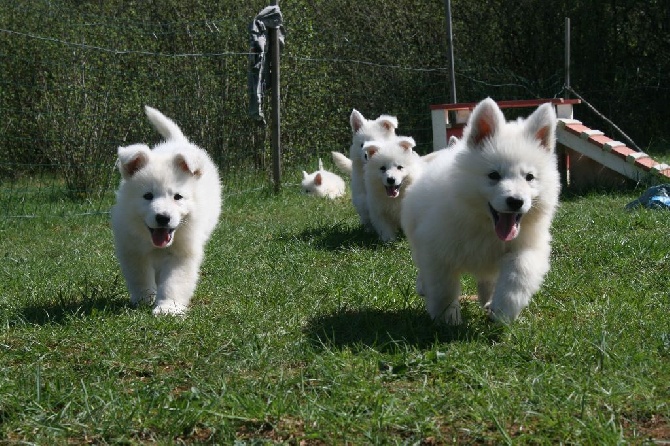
(603, 117)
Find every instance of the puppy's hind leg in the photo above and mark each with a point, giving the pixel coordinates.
(359, 197)
(419, 284)
(360, 202)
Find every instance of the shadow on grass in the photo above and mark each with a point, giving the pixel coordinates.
(82, 300)
(386, 330)
(339, 236)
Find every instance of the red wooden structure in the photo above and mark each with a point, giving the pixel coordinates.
(587, 156)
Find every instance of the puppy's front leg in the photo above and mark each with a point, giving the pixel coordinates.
(441, 295)
(139, 275)
(386, 230)
(177, 280)
(521, 276)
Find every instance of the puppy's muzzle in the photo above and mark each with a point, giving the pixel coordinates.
(161, 235)
(392, 188)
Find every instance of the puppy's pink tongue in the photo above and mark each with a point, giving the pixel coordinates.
(161, 237)
(392, 192)
(506, 226)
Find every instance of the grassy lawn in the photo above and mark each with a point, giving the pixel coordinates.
(659, 149)
(305, 330)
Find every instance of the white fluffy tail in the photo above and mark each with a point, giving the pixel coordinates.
(342, 162)
(165, 126)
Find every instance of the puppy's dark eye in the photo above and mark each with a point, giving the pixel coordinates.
(148, 196)
(495, 176)
(383, 168)
(400, 167)
(177, 197)
(530, 177)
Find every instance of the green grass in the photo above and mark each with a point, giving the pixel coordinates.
(659, 149)
(305, 329)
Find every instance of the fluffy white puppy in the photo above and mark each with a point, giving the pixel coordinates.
(322, 183)
(167, 205)
(391, 167)
(363, 130)
(485, 207)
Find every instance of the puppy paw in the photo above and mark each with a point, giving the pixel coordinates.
(452, 315)
(170, 309)
(496, 315)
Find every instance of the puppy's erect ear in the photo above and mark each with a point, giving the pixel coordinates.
(320, 164)
(370, 148)
(452, 141)
(356, 120)
(541, 125)
(484, 122)
(189, 163)
(388, 123)
(407, 143)
(304, 174)
(132, 159)
(318, 179)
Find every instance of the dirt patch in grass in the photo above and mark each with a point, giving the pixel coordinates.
(652, 428)
(285, 431)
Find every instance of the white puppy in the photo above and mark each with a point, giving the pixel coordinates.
(485, 207)
(322, 183)
(363, 130)
(432, 155)
(392, 166)
(167, 205)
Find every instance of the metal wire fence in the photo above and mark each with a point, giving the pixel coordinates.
(73, 90)
(73, 84)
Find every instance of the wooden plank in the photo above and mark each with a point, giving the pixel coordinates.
(610, 160)
(440, 119)
(507, 104)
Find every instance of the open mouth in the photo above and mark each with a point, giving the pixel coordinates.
(393, 191)
(506, 224)
(161, 237)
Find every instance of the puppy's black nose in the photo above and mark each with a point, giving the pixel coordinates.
(514, 203)
(162, 219)
(390, 181)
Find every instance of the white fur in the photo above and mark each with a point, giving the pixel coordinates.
(448, 219)
(432, 155)
(392, 166)
(363, 130)
(322, 183)
(342, 162)
(174, 189)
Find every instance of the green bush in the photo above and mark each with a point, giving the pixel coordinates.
(74, 76)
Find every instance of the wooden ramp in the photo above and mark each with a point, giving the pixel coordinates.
(591, 158)
(588, 157)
